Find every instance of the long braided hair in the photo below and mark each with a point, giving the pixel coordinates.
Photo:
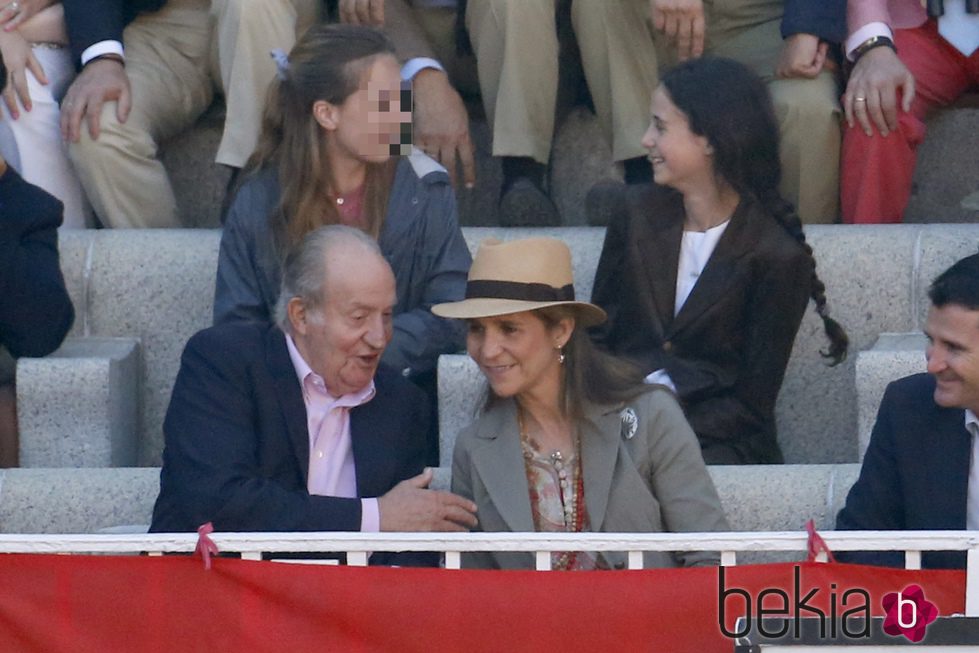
(728, 104)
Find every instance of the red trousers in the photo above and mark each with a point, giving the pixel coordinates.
(876, 171)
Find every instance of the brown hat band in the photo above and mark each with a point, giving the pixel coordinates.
(531, 292)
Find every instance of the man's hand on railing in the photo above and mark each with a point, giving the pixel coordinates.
(411, 506)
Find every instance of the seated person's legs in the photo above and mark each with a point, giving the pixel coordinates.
(39, 152)
(807, 109)
(247, 31)
(877, 171)
(619, 59)
(517, 58)
(809, 120)
(166, 63)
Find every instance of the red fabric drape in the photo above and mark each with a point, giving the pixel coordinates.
(50, 604)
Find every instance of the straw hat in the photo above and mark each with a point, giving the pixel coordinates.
(520, 275)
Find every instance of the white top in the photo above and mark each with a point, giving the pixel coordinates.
(972, 501)
(695, 250)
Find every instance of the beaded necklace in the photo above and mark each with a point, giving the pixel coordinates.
(570, 483)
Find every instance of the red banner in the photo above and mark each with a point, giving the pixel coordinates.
(54, 604)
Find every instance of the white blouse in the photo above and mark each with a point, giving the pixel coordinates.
(695, 250)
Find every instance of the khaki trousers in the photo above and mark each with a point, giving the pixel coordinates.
(808, 110)
(168, 60)
(516, 48)
(247, 31)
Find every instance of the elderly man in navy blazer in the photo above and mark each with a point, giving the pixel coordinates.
(921, 469)
(297, 428)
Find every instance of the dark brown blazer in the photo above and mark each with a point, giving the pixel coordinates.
(727, 349)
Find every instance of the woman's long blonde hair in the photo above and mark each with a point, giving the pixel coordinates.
(327, 63)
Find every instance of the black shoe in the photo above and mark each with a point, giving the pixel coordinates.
(605, 199)
(525, 204)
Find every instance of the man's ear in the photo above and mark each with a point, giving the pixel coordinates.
(327, 114)
(298, 316)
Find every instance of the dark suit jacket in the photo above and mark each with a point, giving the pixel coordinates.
(824, 18)
(35, 310)
(915, 474)
(237, 445)
(727, 349)
(92, 21)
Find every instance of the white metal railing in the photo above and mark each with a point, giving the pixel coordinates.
(358, 546)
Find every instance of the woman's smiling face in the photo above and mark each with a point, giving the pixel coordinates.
(680, 158)
(517, 352)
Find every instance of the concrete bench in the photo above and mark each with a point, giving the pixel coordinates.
(92, 500)
(79, 406)
(157, 287)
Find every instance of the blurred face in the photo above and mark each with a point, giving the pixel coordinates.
(369, 123)
(953, 355)
(518, 353)
(342, 340)
(680, 158)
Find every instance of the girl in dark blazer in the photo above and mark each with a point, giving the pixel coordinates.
(705, 275)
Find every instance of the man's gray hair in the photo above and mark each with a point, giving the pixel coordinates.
(305, 269)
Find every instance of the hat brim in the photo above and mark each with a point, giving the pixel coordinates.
(586, 314)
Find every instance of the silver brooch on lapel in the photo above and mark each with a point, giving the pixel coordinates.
(630, 423)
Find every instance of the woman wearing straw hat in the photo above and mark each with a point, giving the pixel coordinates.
(570, 439)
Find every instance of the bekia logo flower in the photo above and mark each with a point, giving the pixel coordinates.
(908, 613)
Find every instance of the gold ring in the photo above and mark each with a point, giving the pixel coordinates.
(860, 99)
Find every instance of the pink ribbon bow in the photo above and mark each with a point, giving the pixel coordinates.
(816, 543)
(205, 545)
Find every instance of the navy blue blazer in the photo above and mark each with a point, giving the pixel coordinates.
(824, 18)
(237, 446)
(915, 473)
(35, 309)
(92, 21)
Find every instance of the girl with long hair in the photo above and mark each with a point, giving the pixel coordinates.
(706, 273)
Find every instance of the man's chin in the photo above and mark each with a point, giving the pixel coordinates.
(947, 398)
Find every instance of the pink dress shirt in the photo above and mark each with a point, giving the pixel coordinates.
(331, 457)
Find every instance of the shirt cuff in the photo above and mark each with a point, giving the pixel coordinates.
(370, 516)
(414, 66)
(101, 48)
(868, 31)
(661, 377)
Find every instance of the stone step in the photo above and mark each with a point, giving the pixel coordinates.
(893, 356)
(944, 178)
(79, 407)
(121, 499)
(76, 500)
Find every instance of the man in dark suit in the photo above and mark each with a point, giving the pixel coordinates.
(918, 472)
(296, 429)
(35, 310)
